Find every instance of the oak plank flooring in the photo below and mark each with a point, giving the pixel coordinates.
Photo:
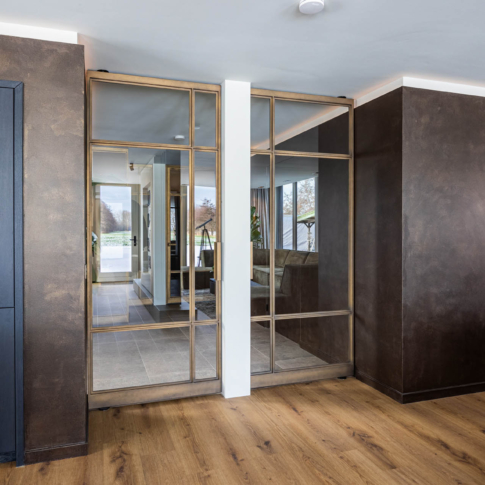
(326, 432)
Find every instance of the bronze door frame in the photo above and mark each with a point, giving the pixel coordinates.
(272, 378)
(193, 387)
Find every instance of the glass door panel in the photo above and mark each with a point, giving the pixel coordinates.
(260, 235)
(311, 127)
(143, 114)
(154, 328)
(140, 358)
(302, 343)
(205, 119)
(311, 274)
(206, 202)
(301, 314)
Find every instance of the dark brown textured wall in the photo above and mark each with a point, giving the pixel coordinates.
(443, 239)
(378, 275)
(54, 299)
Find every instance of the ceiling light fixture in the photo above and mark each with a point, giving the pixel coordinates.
(311, 7)
(179, 137)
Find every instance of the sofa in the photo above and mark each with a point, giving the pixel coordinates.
(296, 281)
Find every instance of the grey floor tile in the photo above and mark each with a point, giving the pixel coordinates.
(170, 377)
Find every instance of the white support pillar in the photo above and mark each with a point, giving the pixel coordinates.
(236, 296)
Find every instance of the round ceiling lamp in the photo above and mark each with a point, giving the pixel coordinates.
(311, 7)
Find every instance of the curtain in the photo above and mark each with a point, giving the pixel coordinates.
(260, 200)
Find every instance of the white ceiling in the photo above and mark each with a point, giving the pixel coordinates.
(351, 47)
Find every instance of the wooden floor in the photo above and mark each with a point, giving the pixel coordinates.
(338, 432)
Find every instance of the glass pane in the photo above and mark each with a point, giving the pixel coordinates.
(285, 216)
(311, 342)
(140, 358)
(206, 204)
(311, 274)
(205, 119)
(260, 123)
(206, 352)
(137, 270)
(125, 112)
(178, 243)
(260, 347)
(260, 235)
(115, 225)
(311, 127)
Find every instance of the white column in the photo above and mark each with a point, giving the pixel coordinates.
(236, 297)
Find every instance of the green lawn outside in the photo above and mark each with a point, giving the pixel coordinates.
(121, 238)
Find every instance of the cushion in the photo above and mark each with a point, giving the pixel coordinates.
(280, 257)
(296, 257)
(261, 256)
(312, 258)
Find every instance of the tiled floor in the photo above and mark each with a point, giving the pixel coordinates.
(288, 354)
(142, 357)
(117, 304)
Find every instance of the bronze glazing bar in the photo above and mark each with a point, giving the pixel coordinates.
(290, 316)
(286, 153)
(150, 81)
(140, 395)
(351, 234)
(272, 208)
(302, 375)
(315, 98)
(142, 326)
(294, 215)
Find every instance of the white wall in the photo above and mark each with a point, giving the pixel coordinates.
(40, 33)
(159, 242)
(236, 298)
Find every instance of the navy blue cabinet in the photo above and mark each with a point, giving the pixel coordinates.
(11, 273)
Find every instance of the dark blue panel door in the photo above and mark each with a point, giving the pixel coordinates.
(11, 273)
(6, 198)
(7, 385)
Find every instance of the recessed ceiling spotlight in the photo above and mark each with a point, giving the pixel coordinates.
(311, 7)
(197, 127)
(179, 137)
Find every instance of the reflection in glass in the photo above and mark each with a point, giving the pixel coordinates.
(311, 342)
(126, 112)
(140, 272)
(140, 358)
(260, 123)
(311, 272)
(260, 347)
(206, 352)
(311, 127)
(260, 235)
(205, 119)
(205, 201)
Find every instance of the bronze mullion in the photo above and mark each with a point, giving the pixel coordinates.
(272, 162)
(351, 235)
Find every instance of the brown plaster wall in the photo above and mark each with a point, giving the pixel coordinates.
(54, 231)
(443, 239)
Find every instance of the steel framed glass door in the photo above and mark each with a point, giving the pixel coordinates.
(153, 276)
(301, 237)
